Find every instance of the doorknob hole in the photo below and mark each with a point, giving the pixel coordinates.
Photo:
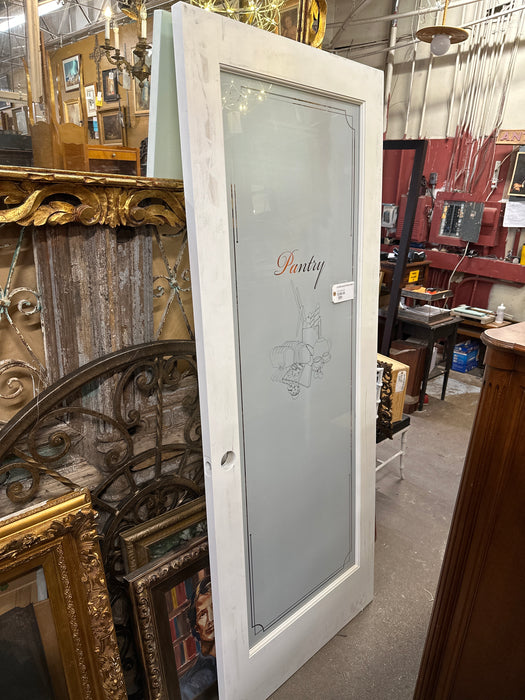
(227, 460)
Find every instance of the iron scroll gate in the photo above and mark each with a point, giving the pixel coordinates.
(127, 426)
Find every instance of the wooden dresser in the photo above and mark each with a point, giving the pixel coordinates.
(115, 160)
(476, 641)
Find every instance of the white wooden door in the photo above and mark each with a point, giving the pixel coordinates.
(281, 155)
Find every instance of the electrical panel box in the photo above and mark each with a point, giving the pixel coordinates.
(457, 218)
(461, 220)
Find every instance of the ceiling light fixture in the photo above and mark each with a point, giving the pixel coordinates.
(441, 36)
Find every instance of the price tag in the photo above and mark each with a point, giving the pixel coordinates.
(344, 291)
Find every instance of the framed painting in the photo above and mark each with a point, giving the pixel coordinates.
(172, 602)
(72, 113)
(111, 127)
(289, 19)
(90, 92)
(164, 534)
(110, 85)
(20, 120)
(52, 645)
(4, 85)
(141, 97)
(71, 70)
(517, 181)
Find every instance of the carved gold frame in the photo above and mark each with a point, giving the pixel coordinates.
(60, 536)
(148, 587)
(136, 541)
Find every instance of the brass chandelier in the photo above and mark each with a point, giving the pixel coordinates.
(139, 69)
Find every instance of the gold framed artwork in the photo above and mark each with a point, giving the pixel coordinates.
(72, 112)
(111, 124)
(57, 638)
(289, 19)
(172, 604)
(164, 534)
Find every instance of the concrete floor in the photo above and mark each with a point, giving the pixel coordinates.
(377, 655)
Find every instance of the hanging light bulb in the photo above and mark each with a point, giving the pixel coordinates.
(441, 36)
(440, 44)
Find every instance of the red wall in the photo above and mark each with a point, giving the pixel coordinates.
(454, 160)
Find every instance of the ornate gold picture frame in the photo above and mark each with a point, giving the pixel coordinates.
(174, 615)
(164, 534)
(67, 616)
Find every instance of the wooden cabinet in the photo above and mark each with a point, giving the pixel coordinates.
(476, 645)
(116, 160)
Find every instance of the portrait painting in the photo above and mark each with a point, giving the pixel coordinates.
(110, 85)
(190, 614)
(288, 19)
(71, 69)
(172, 602)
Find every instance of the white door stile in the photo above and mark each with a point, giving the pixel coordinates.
(205, 44)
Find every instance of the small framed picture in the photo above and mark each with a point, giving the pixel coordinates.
(141, 94)
(4, 85)
(111, 127)
(173, 608)
(72, 112)
(164, 534)
(20, 120)
(110, 85)
(71, 68)
(289, 19)
(90, 92)
(517, 181)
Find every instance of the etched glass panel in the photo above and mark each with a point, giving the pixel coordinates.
(291, 160)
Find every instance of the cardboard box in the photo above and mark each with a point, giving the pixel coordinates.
(412, 354)
(400, 374)
(465, 356)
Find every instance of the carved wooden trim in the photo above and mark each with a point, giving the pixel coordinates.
(60, 536)
(39, 197)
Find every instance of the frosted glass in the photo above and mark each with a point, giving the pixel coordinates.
(291, 161)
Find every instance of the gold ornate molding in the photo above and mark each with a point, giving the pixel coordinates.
(61, 537)
(38, 197)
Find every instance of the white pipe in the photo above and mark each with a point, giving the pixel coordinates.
(345, 23)
(416, 41)
(410, 88)
(424, 106)
(439, 6)
(454, 82)
(497, 40)
(493, 78)
(512, 62)
(389, 69)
